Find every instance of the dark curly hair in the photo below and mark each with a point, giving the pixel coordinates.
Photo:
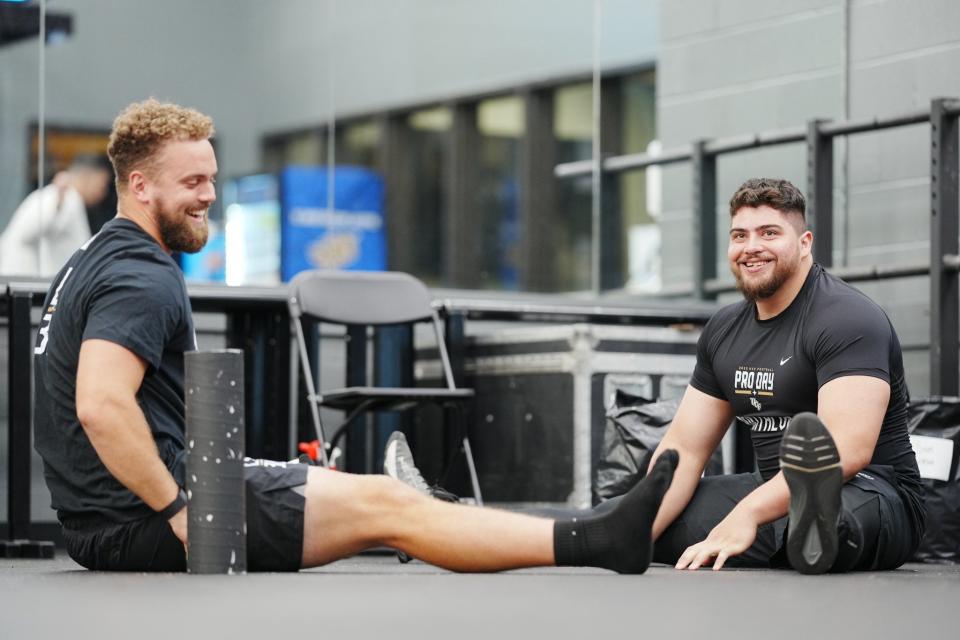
(774, 192)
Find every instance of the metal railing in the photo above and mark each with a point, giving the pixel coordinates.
(818, 135)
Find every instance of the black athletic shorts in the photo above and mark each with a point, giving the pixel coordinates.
(869, 500)
(275, 507)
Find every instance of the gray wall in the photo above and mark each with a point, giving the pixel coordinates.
(740, 66)
(265, 66)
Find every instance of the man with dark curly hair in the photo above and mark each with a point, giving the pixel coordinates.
(110, 410)
(814, 368)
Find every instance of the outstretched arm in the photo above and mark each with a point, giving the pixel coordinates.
(696, 431)
(852, 408)
(108, 378)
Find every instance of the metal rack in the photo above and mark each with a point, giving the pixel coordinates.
(942, 267)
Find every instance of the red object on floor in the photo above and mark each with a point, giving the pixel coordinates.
(311, 448)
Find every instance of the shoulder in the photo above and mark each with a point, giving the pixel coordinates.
(726, 316)
(838, 304)
(121, 241)
(135, 264)
(840, 315)
(720, 324)
(146, 271)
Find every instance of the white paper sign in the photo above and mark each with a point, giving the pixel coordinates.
(933, 456)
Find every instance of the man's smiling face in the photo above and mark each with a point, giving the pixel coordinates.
(765, 250)
(182, 189)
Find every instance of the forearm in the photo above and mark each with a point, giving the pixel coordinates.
(768, 502)
(686, 478)
(697, 428)
(121, 437)
(682, 487)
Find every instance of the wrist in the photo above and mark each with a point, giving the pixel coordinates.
(179, 504)
(746, 510)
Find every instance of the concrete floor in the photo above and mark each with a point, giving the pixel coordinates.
(375, 597)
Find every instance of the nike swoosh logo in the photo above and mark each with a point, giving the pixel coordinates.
(783, 361)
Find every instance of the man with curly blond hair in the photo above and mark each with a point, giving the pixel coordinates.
(110, 410)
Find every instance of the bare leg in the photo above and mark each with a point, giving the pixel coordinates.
(346, 514)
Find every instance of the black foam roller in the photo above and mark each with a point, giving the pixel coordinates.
(217, 527)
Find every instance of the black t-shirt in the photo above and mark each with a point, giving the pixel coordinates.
(770, 370)
(122, 287)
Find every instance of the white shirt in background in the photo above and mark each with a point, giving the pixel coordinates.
(43, 233)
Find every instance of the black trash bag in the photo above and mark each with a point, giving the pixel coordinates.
(939, 417)
(634, 427)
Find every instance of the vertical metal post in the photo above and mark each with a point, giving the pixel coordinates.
(264, 336)
(19, 369)
(613, 236)
(400, 175)
(462, 258)
(538, 193)
(392, 367)
(704, 219)
(820, 192)
(944, 228)
(277, 383)
(244, 333)
(357, 440)
(305, 430)
(454, 335)
(20, 398)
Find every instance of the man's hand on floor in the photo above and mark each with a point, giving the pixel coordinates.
(731, 537)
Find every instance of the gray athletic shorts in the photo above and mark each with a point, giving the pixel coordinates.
(275, 507)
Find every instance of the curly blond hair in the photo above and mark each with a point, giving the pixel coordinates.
(143, 127)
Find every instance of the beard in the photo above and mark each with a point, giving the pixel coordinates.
(763, 288)
(177, 230)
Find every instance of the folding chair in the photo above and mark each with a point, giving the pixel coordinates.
(371, 299)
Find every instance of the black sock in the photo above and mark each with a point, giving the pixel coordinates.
(619, 540)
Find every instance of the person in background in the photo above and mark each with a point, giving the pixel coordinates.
(52, 222)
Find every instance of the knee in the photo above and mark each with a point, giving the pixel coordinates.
(384, 494)
(369, 506)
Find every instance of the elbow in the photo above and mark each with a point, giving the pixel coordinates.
(88, 413)
(692, 458)
(854, 463)
(92, 411)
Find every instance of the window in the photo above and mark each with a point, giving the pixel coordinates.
(358, 143)
(303, 148)
(640, 225)
(500, 126)
(573, 130)
(423, 162)
(456, 174)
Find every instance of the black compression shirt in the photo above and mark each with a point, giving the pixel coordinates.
(121, 287)
(770, 370)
